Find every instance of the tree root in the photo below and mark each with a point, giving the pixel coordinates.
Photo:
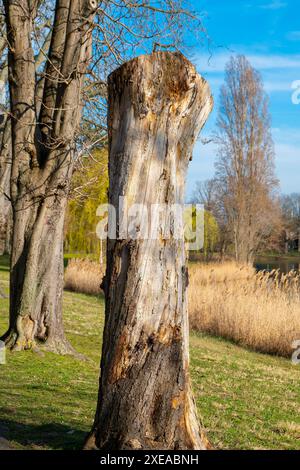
(61, 347)
(90, 441)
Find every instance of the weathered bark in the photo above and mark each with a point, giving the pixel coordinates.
(6, 218)
(42, 164)
(157, 106)
(36, 281)
(5, 205)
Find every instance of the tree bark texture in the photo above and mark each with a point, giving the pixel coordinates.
(157, 106)
(5, 205)
(5, 143)
(43, 135)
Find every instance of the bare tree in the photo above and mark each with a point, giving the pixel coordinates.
(209, 193)
(157, 106)
(290, 205)
(43, 34)
(245, 164)
(205, 193)
(5, 166)
(46, 104)
(42, 159)
(5, 145)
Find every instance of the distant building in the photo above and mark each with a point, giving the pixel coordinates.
(292, 242)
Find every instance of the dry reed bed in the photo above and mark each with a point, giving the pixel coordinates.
(257, 310)
(84, 276)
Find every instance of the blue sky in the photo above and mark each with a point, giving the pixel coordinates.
(267, 32)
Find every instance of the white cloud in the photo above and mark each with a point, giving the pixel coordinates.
(287, 160)
(270, 86)
(277, 86)
(268, 62)
(278, 71)
(217, 62)
(275, 5)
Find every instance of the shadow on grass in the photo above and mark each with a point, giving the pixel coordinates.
(4, 263)
(46, 436)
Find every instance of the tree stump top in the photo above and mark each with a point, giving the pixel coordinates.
(161, 79)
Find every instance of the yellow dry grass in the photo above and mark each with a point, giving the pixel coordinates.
(84, 276)
(257, 310)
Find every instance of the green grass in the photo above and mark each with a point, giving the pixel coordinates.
(247, 400)
(4, 263)
(4, 259)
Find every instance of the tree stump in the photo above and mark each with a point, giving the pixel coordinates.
(157, 106)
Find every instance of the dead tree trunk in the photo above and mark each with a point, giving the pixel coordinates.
(43, 136)
(157, 106)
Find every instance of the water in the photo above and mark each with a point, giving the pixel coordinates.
(284, 266)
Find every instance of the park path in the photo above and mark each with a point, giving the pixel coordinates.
(4, 444)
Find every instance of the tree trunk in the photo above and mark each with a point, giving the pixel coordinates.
(5, 205)
(36, 282)
(42, 139)
(157, 106)
(5, 214)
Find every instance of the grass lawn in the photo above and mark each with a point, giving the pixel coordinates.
(247, 400)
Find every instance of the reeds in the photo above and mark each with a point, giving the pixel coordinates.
(84, 276)
(257, 310)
